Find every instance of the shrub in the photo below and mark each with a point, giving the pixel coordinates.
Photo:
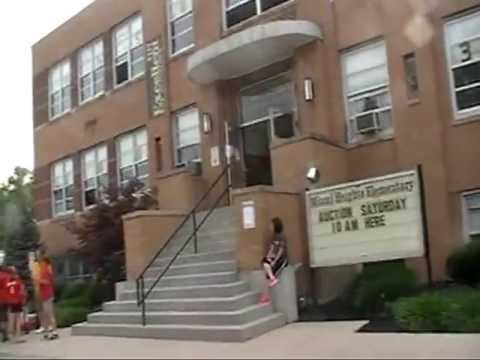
(101, 292)
(463, 265)
(68, 315)
(380, 284)
(75, 290)
(452, 311)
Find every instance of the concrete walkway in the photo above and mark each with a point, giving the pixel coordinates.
(300, 340)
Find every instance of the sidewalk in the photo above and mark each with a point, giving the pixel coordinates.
(300, 340)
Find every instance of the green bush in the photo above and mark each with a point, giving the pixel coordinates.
(69, 315)
(101, 292)
(379, 284)
(76, 290)
(463, 265)
(452, 311)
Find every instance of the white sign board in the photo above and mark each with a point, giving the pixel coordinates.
(365, 221)
(248, 215)
(214, 156)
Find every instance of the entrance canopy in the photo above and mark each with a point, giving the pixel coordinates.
(251, 49)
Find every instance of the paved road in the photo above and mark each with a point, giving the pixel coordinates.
(301, 340)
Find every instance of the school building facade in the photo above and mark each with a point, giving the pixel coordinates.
(169, 92)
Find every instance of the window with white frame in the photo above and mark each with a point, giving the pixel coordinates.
(187, 136)
(91, 71)
(59, 89)
(181, 25)
(367, 92)
(63, 188)
(94, 174)
(237, 11)
(472, 214)
(129, 50)
(463, 51)
(133, 156)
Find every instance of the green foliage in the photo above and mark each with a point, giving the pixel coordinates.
(457, 311)
(18, 232)
(100, 230)
(68, 315)
(463, 265)
(75, 290)
(379, 284)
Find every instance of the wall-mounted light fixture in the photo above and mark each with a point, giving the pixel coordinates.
(206, 122)
(313, 174)
(308, 89)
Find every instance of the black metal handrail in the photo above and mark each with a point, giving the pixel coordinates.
(142, 295)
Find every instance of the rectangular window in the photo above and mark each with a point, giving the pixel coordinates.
(181, 25)
(133, 156)
(410, 67)
(91, 71)
(59, 89)
(237, 11)
(367, 93)
(62, 187)
(463, 51)
(94, 174)
(472, 215)
(129, 50)
(187, 136)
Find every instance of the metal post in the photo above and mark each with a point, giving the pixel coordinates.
(195, 238)
(229, 162)
(426, 236)
(142, 285)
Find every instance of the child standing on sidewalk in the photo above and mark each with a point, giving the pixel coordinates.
(17, 297)
(4, 279)
(47, 295)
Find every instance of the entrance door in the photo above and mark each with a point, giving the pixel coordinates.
(268, 112)
(256, 153)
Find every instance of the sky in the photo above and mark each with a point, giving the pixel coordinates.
(22, 23)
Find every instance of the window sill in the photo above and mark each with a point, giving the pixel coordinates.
(60, 116)
(63, 216)
(466, 120)
(413, 102)
(92, 99)
(254, 20)
(184, 52)
(136, 79)
(372, 141)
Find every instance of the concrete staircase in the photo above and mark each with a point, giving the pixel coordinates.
(200, 298)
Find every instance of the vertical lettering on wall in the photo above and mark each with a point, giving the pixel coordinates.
(156, 86)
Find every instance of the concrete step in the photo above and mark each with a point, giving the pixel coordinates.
(183, 292)
(214, 318)
(204, 247)
(201, 257)
(195, 304)
(189, 280)
(237, 333)
(198, 268)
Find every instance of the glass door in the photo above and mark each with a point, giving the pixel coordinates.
(268, 112)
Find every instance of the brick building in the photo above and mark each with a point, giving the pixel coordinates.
(152, 89)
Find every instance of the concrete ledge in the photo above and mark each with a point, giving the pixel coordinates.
(266, 189)
(284, 294)
(142, 213)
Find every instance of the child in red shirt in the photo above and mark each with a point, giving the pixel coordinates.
(16, 299)
(4, 279)
(47, 294)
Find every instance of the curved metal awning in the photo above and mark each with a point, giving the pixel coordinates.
(250, 50)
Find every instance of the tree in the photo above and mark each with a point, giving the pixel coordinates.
(18, 232)
(99, 230)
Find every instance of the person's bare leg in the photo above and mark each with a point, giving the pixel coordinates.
(11, 325)
(18, 327)
(268, 270)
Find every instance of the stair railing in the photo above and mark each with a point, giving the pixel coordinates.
(141, 292)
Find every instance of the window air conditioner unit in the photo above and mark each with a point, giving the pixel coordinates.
(195, 167)
(367, 122)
